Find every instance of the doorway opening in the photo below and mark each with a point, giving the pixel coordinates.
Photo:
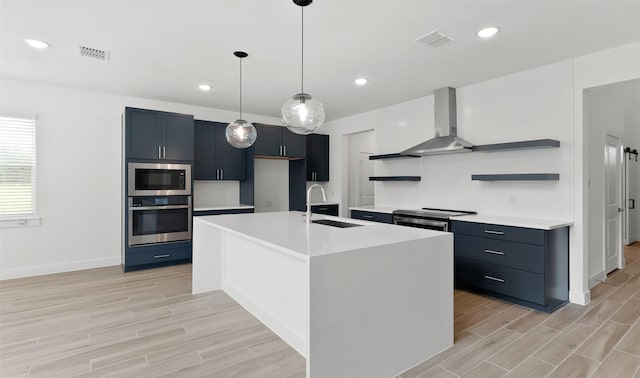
(361, 191)
(612, 123)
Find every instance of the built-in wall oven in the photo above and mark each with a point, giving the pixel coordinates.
(159, 179)
(159, 219)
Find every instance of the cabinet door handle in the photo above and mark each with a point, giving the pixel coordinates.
(159, 153)
(285, 150)
(161, 256)
(368, 216)
(164, 152)
(493, 252)
(221, 174)
(494, 279)
(493, 232)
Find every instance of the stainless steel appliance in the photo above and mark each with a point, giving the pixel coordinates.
(433, 219)
(159, 219)
(159, 179)
(446, 139)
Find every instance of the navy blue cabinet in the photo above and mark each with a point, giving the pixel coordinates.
(215, 158)
(317, 157)
(526, 266)
(328, 209)
(155, 135)
(276, 141)
(372, 216)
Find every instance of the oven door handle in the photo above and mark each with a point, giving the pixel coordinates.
(426, 222)
(165, 207)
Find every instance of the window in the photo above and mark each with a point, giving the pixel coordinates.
(17, 167)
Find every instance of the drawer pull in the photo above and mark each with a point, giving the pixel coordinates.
(494, 279)
(493, 232)
(368, 216)
(493, 252)
(161, 256)
(322, 209)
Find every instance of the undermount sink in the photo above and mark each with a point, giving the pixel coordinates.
(329, 222)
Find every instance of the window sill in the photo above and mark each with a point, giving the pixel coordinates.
(26, 221)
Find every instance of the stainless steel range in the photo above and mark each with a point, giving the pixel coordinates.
(433, 219)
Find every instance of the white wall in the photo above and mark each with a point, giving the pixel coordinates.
(215, 193)
(362, 142)
(271, 185)
(530, 105)
(78, 176)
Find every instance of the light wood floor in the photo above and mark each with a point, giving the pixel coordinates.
(101, 322)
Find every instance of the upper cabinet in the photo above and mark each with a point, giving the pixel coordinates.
(277, 141)
(215, 158)
(317, 157)
(156, 135)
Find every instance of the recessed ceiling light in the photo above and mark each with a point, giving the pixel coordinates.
(37, 44)
(204, 87)
(488, 32)
(361, 81)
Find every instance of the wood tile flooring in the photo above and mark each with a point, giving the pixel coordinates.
(101, 322)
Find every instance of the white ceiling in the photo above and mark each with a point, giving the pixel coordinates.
(163, 49)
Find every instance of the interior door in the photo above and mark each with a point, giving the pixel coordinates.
(366, 193)
(613, 194)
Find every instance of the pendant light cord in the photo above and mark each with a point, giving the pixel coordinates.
(240, 88)
(302, 54)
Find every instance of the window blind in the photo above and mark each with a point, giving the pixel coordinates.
(17, 166)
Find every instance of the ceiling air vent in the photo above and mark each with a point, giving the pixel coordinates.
(436, 39)
(92, 52)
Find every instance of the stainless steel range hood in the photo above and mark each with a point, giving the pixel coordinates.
(446, 140)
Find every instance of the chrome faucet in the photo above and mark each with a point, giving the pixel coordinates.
(324, 198)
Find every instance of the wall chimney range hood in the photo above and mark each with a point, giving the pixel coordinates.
(446, 140)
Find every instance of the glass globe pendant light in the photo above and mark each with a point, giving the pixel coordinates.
(240, 133)
(302, 114)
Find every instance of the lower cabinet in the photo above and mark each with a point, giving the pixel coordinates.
(372, 216)
(529, 267)
(332, 209)
(156, 255)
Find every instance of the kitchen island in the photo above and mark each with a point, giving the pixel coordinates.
(366, 301)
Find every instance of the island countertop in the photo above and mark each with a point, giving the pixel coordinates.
(288, 232)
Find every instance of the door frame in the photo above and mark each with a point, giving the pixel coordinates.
(620, 178)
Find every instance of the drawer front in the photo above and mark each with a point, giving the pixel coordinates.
(372, 216)
(151, 257)
(499, 232)
(499, 279)
(325, 209)
(506, 253)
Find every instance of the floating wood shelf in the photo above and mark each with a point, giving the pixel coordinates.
(522, 145)
(518, 177)
(394, 178)
(391, 156)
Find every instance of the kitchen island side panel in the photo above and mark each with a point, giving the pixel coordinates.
(378, 311)
(206, 260)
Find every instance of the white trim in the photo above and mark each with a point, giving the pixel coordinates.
(581, 298)
(17, 221)
(38, 270)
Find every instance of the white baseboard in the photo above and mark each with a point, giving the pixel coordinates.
(70, 266)
(580, 298)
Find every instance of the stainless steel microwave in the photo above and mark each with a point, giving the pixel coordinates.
(159, 179)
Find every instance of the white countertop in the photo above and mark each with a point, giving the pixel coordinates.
(222, 207)
(375, 208)
(288, 232)
(538, 223)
